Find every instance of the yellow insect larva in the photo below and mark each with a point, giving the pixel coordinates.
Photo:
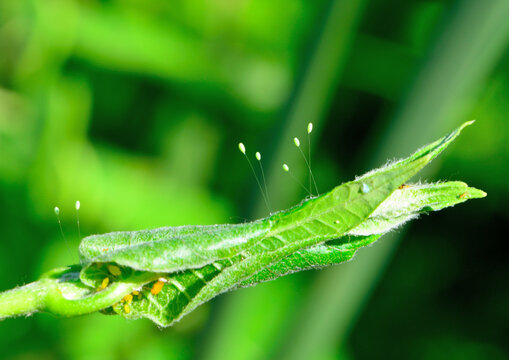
(157, 287)
(128, 298)
(127, 309)
(404, 186)
(114, 270)
(104, 283)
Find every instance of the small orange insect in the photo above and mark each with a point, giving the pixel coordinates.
(404, 186)
(462, 196)
(157, 287)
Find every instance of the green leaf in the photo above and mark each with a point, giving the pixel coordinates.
(403, 205)
(163, 274)
(407, 203)
(313, 221)
(180, 290)
(169, 249)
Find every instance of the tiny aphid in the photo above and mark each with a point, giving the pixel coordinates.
(404, 186)
(128, 298)
(104, 283)
(157, 287)
(365, 188)
(114, 270)
(127, 309)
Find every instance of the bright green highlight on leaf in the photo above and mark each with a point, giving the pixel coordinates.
(163, 274)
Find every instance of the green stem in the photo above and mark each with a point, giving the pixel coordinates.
(57, 304)
(23, 300)
(49, 295)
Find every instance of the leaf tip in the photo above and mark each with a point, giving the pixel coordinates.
(472, 193)
(481, 193)
(465, 124)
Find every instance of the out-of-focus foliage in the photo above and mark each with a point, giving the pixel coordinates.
(135, 108)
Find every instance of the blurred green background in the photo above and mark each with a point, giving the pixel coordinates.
(135, 107)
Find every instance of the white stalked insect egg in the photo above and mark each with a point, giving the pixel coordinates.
(242, 148)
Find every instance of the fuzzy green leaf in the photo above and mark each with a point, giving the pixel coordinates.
(178, 294)
(163, 274)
